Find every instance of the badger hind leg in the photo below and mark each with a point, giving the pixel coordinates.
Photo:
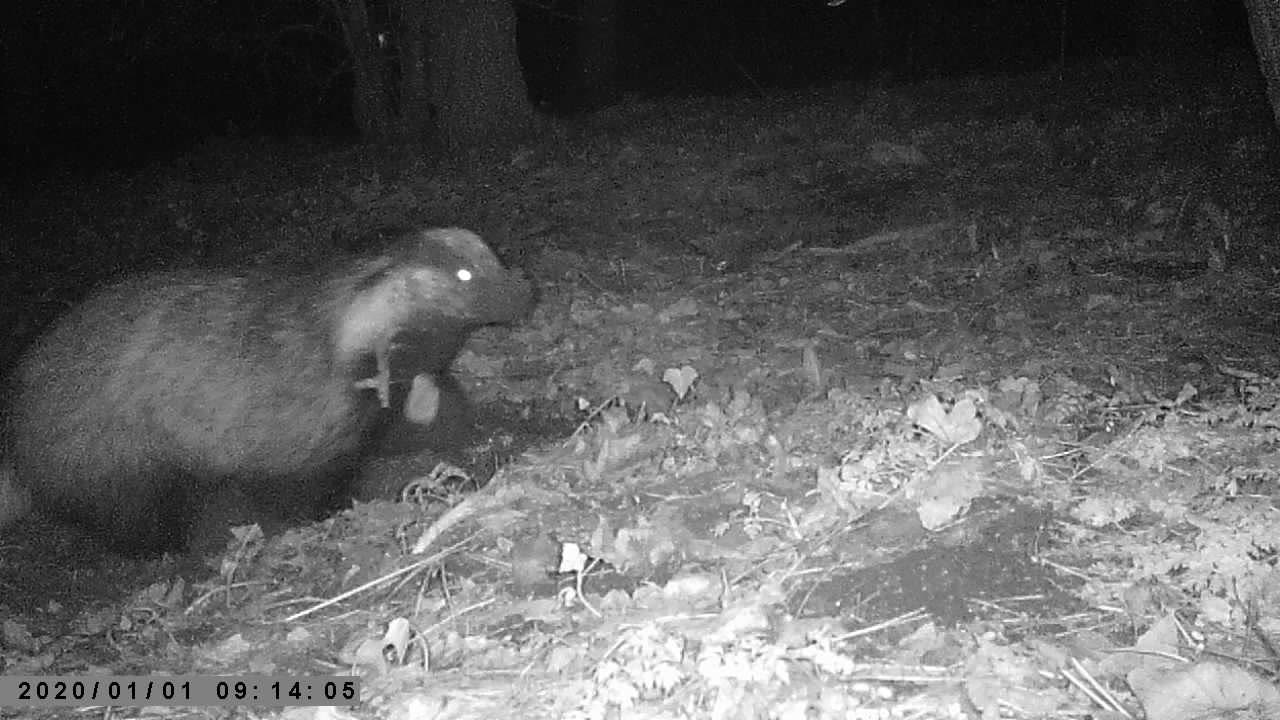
(147, 522)
(274, 503)
(215, 515)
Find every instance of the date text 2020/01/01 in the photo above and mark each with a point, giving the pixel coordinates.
(178, 690)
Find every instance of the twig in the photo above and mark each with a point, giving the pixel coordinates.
(378, 581)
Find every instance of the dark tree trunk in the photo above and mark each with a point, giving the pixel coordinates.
(1170, 28)
(22, 85)
(476, 85)
(1264, 24)
(415, 76)
(598, 52)
(371, 102)
(448, 73)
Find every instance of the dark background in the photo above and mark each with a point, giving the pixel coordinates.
(110, 83)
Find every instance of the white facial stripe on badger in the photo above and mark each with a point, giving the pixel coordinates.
(375, 315)
(371, 318)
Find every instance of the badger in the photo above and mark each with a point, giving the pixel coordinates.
(164, 398)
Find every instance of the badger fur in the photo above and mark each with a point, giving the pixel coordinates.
(163, 394)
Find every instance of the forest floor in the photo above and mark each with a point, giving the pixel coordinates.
(949, 400)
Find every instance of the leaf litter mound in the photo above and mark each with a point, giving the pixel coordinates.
(887, 417)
